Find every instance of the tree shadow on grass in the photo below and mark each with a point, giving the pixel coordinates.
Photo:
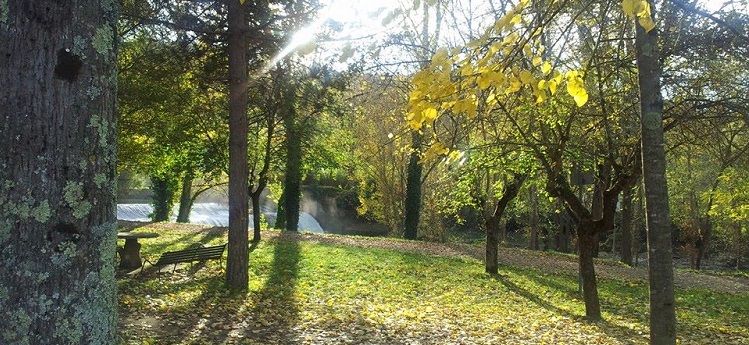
(277, 310)
(180, 308)
(623, 334)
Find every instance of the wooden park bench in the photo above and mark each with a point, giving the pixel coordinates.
(189, 255)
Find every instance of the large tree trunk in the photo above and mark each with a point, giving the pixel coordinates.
(491, 261)
(413, 189)
(163, 188)
(237, 277)
(57, 172)
(625, 243)
(185, 200)
(661, 274)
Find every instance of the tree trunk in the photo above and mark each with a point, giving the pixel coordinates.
(625, 245)
(413, 188)
(57, 172)
(262, 178)
(163, 188)
(533, 241)
(491, 261)
(237, 277)
(293, 178)
(256, 214)
(280, 223)
(586, 245)
(493, 225)
(185, 200)
(661, 274)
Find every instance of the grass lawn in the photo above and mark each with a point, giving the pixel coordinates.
(305, 291)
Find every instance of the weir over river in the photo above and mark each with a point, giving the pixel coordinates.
(214, 214)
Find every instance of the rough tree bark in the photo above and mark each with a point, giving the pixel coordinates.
(658, 222)
(237, 261)
(57, 172)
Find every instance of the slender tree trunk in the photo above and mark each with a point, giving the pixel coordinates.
(57, 172)
(237, 277)
(293, 178)
(256, 214)
(625, 252)
(586, 246)
(185, 200)
(493, 224)
(262, 179)
(533, 241)
(413, 188)
(661, 275)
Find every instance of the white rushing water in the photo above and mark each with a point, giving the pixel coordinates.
(214, 214)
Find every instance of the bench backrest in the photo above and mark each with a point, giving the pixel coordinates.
(191, 254)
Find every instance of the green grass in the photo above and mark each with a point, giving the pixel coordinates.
(304, 292)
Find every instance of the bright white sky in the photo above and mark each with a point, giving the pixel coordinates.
(360, 19)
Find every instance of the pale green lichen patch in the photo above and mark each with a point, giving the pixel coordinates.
(102, 129)
(19, 322)
(100, 180)
(64, 253)
(79, 46)
(42, 213)
(93, 92)
(5, 228)
(73, 196)
(4, 12)
(104, 41)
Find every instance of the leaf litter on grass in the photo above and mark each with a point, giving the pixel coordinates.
(309, 289)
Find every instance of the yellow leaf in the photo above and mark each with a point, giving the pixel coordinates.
(434, 151)
(552, 84)
(526, 77)
(537, 60)
(639, 9)
(647, 23)
(546, 68)
(440, 57)
(576, 88)
(429, 114)
(516, 19)
(540, 95)
(515, 85)
(629, 7)
(527, 50)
